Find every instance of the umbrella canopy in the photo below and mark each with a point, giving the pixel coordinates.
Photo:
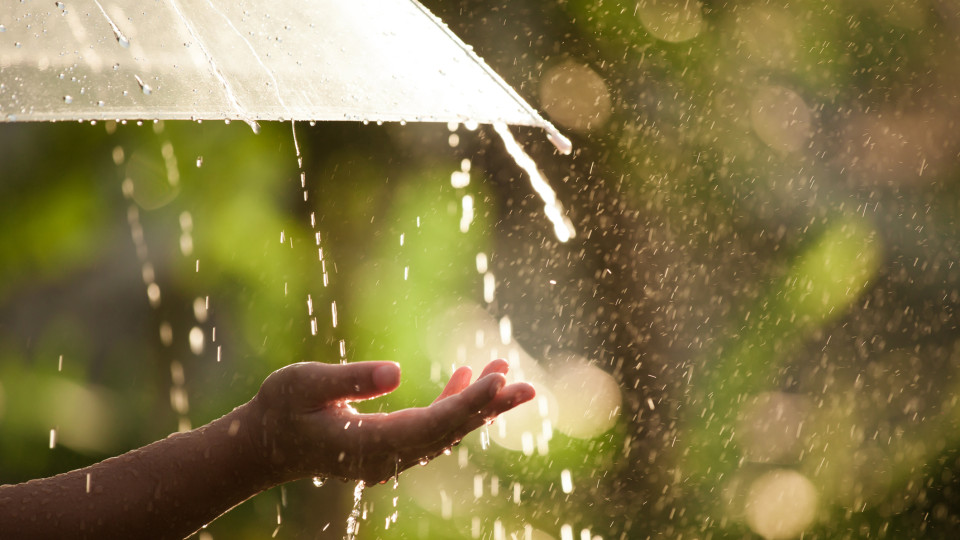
(370, 60)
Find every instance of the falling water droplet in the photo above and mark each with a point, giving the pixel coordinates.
(484, 438)
(353, 522)
(319, 481)
(566, 481)
(68, 99)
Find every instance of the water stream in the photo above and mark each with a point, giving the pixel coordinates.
(562, 225)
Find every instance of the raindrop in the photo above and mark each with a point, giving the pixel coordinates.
(482, 263)
(68, 99)
(121, 39)
(477, 486)
(145, 88)
(319, 481)
(467, 217)
(200, 309)
(459, 179)
(566, 481)
(199, 161)
(153, 293)
(196, 340)
(484, 438)
(489, 286)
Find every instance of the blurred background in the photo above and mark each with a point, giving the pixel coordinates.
(753, 333)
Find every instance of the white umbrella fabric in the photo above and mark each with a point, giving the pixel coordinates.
(370, 60)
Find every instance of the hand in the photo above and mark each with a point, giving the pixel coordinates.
(304, 425)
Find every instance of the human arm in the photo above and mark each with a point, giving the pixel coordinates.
(300, 424)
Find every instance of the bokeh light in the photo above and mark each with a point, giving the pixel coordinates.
(591, 399)
(781, 504)
(575, 96)
(770, 427)
(671, 20)
(781, 118)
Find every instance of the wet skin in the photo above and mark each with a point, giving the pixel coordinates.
(300, 424)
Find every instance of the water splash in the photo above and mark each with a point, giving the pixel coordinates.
(392, 518)
(353, 522)
(562, 226)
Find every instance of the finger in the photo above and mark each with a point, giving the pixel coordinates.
(458, 381)
(321, 383)
(411, 435)
(497, 366)
(412, 427)
(509, 397)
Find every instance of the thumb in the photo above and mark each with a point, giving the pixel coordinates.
(324, 383)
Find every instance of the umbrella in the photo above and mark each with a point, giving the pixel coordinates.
(367, 60)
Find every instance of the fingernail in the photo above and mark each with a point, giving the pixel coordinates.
(386, 377)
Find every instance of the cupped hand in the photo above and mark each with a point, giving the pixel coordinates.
(308, 428)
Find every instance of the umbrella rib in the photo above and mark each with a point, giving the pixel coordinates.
(216, 70)
(267, 70)
(122, 39)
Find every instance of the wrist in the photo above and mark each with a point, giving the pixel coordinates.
(263, 433)
(246, 430)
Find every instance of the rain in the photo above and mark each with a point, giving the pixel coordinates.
(735, 287)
